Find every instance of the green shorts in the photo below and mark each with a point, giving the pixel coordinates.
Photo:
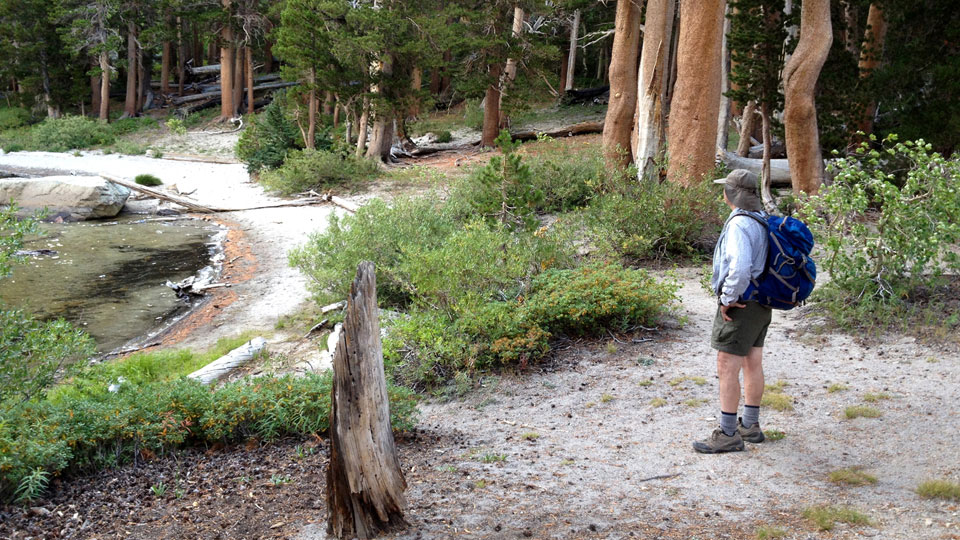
(747, 329)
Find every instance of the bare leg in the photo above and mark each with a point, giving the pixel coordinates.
(728, 369)
(753, 377)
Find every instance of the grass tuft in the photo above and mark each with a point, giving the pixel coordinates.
(837, 387)
(871, 397)
(852, 476)
(147, 180)
(774, 434)
(861, 411)
(658, 402)
(939, 489)
(777, 401)
(825, 517)
(768, 532)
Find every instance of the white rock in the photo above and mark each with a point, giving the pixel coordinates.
(68, 197)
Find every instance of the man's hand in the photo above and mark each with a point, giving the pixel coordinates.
(723, 310)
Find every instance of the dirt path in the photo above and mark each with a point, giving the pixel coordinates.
(580, 452)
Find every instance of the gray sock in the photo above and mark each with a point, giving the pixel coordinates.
(751, 415)
(728, 422)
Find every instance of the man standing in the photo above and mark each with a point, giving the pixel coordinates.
(740, 326)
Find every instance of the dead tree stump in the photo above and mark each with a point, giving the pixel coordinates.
(364, 482)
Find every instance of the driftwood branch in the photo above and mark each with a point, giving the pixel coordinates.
(222, 366)
(160, 195)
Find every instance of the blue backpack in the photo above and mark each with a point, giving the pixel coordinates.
(790, 274)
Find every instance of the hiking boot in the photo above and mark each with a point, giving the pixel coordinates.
(752, 434)
(719, 442)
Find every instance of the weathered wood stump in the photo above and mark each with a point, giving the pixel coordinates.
(364, 482)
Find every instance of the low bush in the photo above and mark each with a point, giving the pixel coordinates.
(147, 180)
(650, 220)
(109, 428)
(939, 489)
(13, 117)
(125, 126)
(69, 133)
(303, 170)
(826, 517)
(888, 227)
(273, 134)
(444, 136)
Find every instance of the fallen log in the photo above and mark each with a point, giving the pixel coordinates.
(571, 97)
(582, 128)
(200, 159)
(216, 93)
(779, 168)
(204, 70)
(160, 195)
(236, 358)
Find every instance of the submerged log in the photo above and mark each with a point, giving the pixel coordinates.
(364, 482)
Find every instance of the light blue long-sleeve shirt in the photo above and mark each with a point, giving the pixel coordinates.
(740, 255)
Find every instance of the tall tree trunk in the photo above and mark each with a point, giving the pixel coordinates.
(382, 137)
(130, 103)
(416, 83)
(311, 111)
(165, 67)
(337, 109)
(765, 180)
(328, 103)
(491, 108)
(563, 71)
(181, 54)
(435, 82)
(723, 120)
(238, 78)
(362, 126)
(618, 124)
(800, 81)
(365, 483)
(228, 109)
(652, 78)
(212, 51)
(197, 54)
(144, 69)
(696, 101)
(870, 55)
(572, 52)
(94, 94)
(748, 124)
(248, 70)
(268, 57)
(510, 72)
(851, 28)
(445, 71)
(105, 85)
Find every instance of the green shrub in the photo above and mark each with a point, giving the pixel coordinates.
(567, 180)
(268, 138)
(643, 220)
(13, 117)
(939, 489)
(70, 132)
(177, 126)
(147, 180)
(129, 148)
(444, 136)
(109, 428)
(825, 517)
(317, 169)
(887, 226)
(124, 126)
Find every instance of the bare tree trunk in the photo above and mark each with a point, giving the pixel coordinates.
(618, 124)
(572, 53)
(144, 69)
(723, 120)
(382, 136)
(791, 32)
(181, 55)
(445, 73)
(311, 111)
(870, 55)
(416, 83)
(337, 109)
(800, 112)
(510, 71)
(491, 109)
(105, 86)
(130, 103)
(94, 94)
(765, 179)
(748, 124)
(268, 57)
(248, 70)
(365, 483)
(362, 126)
(563, 71)
(238, 78)
(328, 103)
(228, 109)
(851, 31)
(652, 78)
(696, 100)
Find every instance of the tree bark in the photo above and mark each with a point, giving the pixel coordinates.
(248, 69)
(228, 108)
(105, 85)
(723, 120)
(130, 103)
(416, 83)
(268, 57)
(572, 52)
(328, 103)
(563, 71)
(618, 124)
(382, 137)
(165, 67)
(238, 78)
(364, 481)
(510, 71)
(182, 49)
(765, 177)
(652, 80)
(491, 108)
(362, 126)
(870, 55)
(748, 124)
(696, 101)
(94, 94)
(311, 111)
(800, 81)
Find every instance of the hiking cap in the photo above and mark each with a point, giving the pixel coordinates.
(741, 188)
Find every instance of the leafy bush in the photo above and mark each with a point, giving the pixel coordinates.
(147, 180)
(567, 180)
(317, 169)
(444, 136)
(13, 117)
(643, 220)
(888, 227)
(177, 126)
(107, 428)
(271, 135)
(70, 132)
(124, 126)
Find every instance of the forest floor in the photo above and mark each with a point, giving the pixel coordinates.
(593, 444)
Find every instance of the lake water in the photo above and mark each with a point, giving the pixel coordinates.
(109, 278)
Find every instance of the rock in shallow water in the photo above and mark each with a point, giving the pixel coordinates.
(68, 197)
